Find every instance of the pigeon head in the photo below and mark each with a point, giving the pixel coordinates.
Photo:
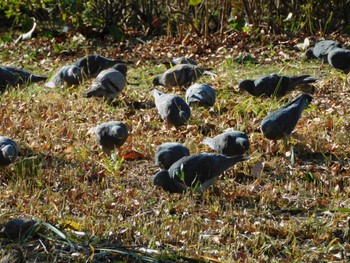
(244, 143)
(73, 75)
(162, 179)
(247, 85)
(121, 68)
(306, 100)
(310, 53)
(118, 132)
(9, 152)
(156, 81)
(160, 161)
(167, 64)
(184, 115)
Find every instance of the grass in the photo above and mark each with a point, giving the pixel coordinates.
(111, 211)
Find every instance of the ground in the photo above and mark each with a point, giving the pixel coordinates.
(265, 209)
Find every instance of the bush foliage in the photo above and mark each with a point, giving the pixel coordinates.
(178, 18)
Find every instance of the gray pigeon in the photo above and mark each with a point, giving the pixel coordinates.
(201, 95)
(280, 123)
(12, 76)
(321, 49)
(339, 58)
(168, 153)
(172, 108)
(197, 171)
(111, 135)
(92, 65)
(70, 75)
(180, 60)
(229, 143)
(109, 83)
(180, 75)
(8, 151)
(274, 85)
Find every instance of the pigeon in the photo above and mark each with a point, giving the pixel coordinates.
(17, 229)
(8, 151)
(201, 95)
(321, 49)
(280, 123)
(109, 83)
(7, 78)
(168, 153)
(111, 135)
(92, 65)
(178, 61)
(12, 76)
(197, 171)
(339, 58)
(229, 143)
(25, 76)
(274, 85)
(180, 75)
(172, 108)
(70, 75)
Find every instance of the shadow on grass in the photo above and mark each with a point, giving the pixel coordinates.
(318, 157)
(45, 243)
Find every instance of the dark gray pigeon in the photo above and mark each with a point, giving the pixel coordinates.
(229, 143)
(109, 83)
(17, 229)
(172, 108)
(197, 171)
(7, 78)
(321, 49)
(25, 76)
(69, 75)
(274, 85)
(201, 95)
(339, 58)
(12, 76)
(180, 60)
(8, 151)
(168, 153)
(280, 123)
(92, 65)
(111, 135)
(180, 75)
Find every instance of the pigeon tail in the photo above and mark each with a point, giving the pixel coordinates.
(37, 78)
(212, 144)
(51, 84)
(156, 93)
(309, 80)
(209, 73)
(244, 143)
(87, 94)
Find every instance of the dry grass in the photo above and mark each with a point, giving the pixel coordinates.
(285, 213)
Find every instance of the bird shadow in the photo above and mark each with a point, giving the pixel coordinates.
(133, 104)
(318, 157)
